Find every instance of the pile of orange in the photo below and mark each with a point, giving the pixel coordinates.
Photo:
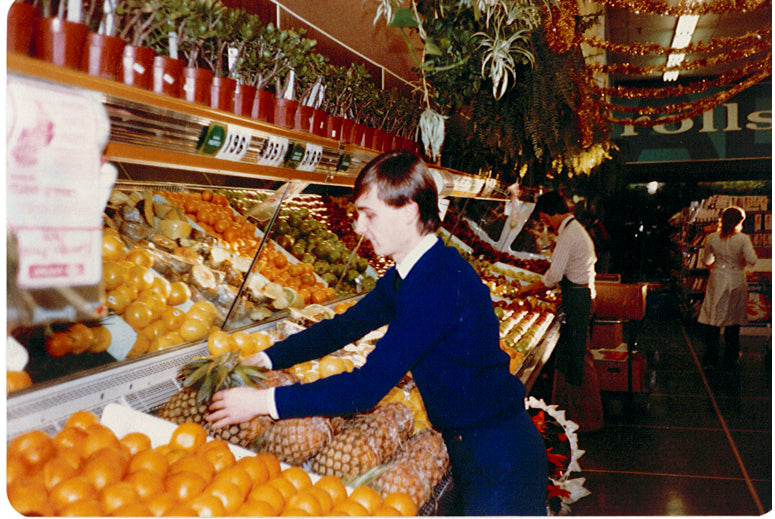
(247, 344)
(78, 338)
(16, 380)
(211, 211)
(86, 470)
(275, 266)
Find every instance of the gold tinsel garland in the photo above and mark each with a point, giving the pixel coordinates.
(560, 25)
(696, 87)
(714, 46)
(697, 7)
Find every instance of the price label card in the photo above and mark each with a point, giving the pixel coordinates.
(294, 155)
(312, 155)
(224, 141)
(344, 162)
(273, 151)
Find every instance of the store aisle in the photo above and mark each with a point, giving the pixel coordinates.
(697, 444)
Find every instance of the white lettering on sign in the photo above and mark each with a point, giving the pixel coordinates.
(761, 120)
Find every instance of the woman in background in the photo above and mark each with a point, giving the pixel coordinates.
(727, 252)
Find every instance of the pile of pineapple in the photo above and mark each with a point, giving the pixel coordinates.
(391, 448)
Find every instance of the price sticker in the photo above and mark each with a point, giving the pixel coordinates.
(273, 151)
(294, 155)
(344, 162)
(312, 155)
(224, 141)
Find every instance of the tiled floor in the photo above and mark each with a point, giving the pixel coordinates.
(697, 444)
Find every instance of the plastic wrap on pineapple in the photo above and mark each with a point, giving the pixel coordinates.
(57, 189)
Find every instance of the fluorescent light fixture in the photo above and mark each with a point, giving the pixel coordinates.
(670, 75)
(684, 30)
(675, 59)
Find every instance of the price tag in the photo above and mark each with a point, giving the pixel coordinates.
(312, 155)
(273, 151)
(294, 155)
(344, 162)
(224, 141)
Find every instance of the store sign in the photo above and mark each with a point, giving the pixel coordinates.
(741, 128)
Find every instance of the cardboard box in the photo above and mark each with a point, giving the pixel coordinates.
(611, 366)
(606, 335)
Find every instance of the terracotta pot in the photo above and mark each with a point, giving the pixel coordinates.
(59, 42)
(21, 21)
(244, 96)
(197, 83)
(136, 67)
(357, 134)
(102, 55)
(334, 127)
(347, 130)
(368, 137)
(319, 122)
(379, 140)
(284, 112)
(263, 106)
(303, 119)
(167, 76)
(222, 93)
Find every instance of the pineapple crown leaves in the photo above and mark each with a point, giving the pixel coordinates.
(213, 373)
(368, 478)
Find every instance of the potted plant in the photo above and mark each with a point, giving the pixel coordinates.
(59, 34)
(296, 48)
(167, 66)
(310, 82)
(20, 22)
(340, 96)
(218, 51)
(244, 91)
(103, 49)
(138, 21)
(193, 34)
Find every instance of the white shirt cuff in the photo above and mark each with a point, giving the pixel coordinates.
(271, 405)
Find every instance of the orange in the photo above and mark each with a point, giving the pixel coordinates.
(326, 503)
(401, 502)
(118, 299)
(150, 459)
(195, 463)
(349, 508)
(305, 501)
(386, 511)
(113, 274)
(138, 315)
(174, 455)
(15, 469)
(192, 329)
(172, 318)
(179, 293)
(98, 436)
(113, 248)
(82, 336)
(82, 419)
(102, 471)
(366, 496)
(333, 486)
(56, 470)
(255, 468)
(117, 495)
(30, 498)
(139, 277)
(102, 339)
(160, 503)
(285, 487)
(219, 342)
(270, 495)
(89, 507)
(181, 510)
(132, 510)
(298, 477)
(140, 256)
(59, 343)
(236, 475)
(294, 512)
(255, 508)
(188, 436)
(135, 442)
(202, 310)
(245, 343)
(207, 505)
(230, 495)
(16, 380)
(220, 458)
(271, 462)
(33, 447)
(213, 444)
(71, 490)
(147, 483)
(185, 485)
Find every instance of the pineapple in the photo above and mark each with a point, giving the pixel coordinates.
(202, 377)
(295, 440)
(417, 468)
(365, 441)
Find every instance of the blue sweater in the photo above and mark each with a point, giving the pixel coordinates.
(442, 328)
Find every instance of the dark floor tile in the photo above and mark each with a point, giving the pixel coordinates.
(674, 382)
(662, 411)
(672, 360)
(644, 494)
(764, 491)
(747, 413)
(755, 449)
(667, 451)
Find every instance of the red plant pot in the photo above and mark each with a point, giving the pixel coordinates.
(102, 55)
(197, 83)
(319, 122)
(379, 140)
(244, 96)
(368, 137)
(303, 119)
(357, 134)
(167, 76)
(222, 93)
(136, 66)
(59, 42)
(284, 112)
(334, 127)
(263, 106)
(347, 130)
(20, 25)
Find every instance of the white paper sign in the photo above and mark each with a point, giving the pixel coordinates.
(55, 138)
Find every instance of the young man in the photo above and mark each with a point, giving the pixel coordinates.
(442, 328)
(575, 388)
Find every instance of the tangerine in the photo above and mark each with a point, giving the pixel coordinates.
(55, 470)
(71, 490)
(230, 495)
(269, 495)
(98, 436)
(59, 344)
(298, 477)
(333, 486)
(113, 274)
(179, 293)
(402, 502)
(271, 462)
(30, 498)
(366, 496)
(192, 329)
(102, 471)
(255, 468)
(188, 436)
(172, 318)
(140, 256)
(150, 459)
(219, 342)
(305, 501)
(102, 339)
(132, 510)
(195, 463)
(325, 500)
(113, 248)
(160, 503)
(82, 337)
(386, 511)
(285, 487)
(237, 476)
(146, 482)
(256, 508)
(116, 495)
(89, 507)
(33, 447)
(185, 485)
(349, 508)
(220, 458)
(16, 380)
(207, 505)
(15, 470)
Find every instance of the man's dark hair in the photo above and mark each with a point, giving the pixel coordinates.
(551, 203)
(402, 177)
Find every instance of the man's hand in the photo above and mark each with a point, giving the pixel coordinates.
(239, 404)
(259, 360)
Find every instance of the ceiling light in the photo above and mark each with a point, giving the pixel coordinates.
(684, 29)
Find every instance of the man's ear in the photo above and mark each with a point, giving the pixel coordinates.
(411, 212)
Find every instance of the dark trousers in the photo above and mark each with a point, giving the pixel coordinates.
(731, 345)
(500, 469)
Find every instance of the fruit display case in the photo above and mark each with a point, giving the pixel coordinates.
(155, 143)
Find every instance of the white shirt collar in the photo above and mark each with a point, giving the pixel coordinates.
(428, 241)
(565, 223)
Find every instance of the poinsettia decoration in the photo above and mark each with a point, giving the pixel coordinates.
(562, 452)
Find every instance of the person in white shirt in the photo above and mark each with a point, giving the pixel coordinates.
(575, 387)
